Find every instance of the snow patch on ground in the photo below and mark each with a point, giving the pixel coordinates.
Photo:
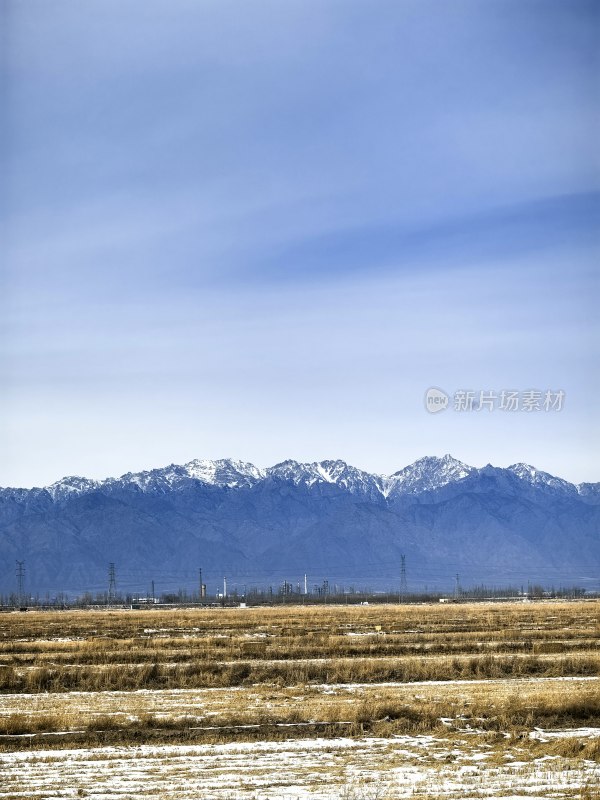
(315, 769)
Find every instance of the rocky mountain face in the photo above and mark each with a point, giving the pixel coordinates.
(326, 519)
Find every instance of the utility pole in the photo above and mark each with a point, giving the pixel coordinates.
(152, 591)
(112, 583)
(456, 586)
(403, 589)
(21, 580)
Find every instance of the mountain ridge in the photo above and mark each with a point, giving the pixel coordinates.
(426, 474)
(494, 525)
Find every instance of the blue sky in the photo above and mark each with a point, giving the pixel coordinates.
(263, 229)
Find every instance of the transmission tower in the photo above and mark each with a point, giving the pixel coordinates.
(21, 580)
(403, 588)
(112, 583)
(456, 586)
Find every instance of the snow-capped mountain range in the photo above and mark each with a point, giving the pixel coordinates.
(425, 475)
(327, 518)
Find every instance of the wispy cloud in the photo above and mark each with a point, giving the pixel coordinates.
(222, 218)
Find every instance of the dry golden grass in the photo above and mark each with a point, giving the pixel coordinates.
(250, 672)
(92, 651)
(505, 706)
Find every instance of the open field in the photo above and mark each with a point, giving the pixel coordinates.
(352, 702)
(93, 651)
(500, 706)
(329, 769)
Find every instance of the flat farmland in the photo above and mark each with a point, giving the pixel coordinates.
(448, 700)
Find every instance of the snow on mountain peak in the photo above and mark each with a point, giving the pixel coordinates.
(71, 484)
(329, 471)
(428, 473)
(538, 478)
(308, 473)
(424, 475)
(224, 472)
